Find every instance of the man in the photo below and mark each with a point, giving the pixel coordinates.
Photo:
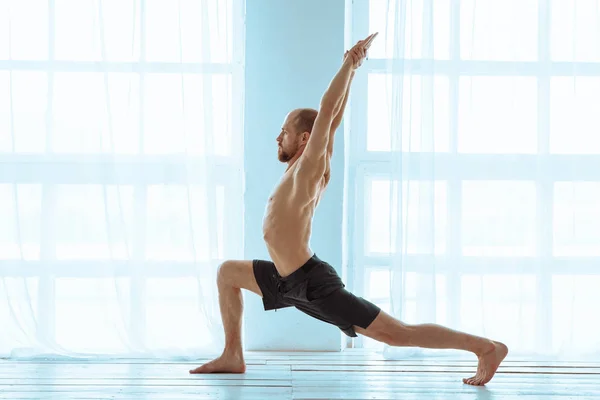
(297, 277)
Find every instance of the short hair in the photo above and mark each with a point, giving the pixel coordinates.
(305, 119)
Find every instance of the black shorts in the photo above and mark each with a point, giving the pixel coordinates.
(317, 290)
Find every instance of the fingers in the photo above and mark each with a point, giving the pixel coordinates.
(365, 43)
(359, 51)
(370, 39)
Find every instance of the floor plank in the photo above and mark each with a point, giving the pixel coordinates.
(91, 370)
(307, 375)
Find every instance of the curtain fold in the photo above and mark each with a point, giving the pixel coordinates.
(482, 205)
(118, 163)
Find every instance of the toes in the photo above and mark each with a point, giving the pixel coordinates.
(481, 381)
(474, 381)
(198, 370)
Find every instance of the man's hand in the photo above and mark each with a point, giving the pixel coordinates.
(357, 54)
(332, 103)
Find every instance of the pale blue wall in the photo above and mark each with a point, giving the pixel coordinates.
(293, 50)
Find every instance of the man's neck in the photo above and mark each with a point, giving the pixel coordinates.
(290, 163)
(293, 161)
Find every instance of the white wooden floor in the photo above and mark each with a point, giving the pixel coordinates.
(346, 375)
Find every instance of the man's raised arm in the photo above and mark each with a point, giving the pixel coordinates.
(339, 116)
(334, 100)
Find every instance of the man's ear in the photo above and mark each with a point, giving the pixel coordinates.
(305, 137)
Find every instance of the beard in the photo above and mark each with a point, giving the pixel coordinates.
(285, 156)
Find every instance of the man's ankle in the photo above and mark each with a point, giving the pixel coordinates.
(233, 351)
(486, 347)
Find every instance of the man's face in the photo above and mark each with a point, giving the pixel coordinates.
(288, 140)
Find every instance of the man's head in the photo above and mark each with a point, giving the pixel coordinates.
(295, 132)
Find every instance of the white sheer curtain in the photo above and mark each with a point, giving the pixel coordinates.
(478, 179)
(120, 174)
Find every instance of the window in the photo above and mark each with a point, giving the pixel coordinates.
(516, 87)
(121, 148)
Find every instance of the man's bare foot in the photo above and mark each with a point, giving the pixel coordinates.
(233, 364)
(488, 364)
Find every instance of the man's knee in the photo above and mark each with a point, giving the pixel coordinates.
(226, 273)
(398, 334)
(237, 274)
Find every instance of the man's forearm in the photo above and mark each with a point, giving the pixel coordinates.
(335, 93)
(339, 112)
(339, 115)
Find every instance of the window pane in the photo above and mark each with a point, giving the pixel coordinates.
(86, 121)
(29, 101)
(498, 218)
(89, 30)
(424, 215)
(484, 298)
(422, 131)
(220, 215)
(96, 222)
(122, 29)
(441, 297)
(174, 318)
(179, 111)
(77, 36)
(427, 293)
(576, 219)
(6, 141)
(379, 284)
(20, 213)
(24, 29)
(378, 217)
(179, 225)
(23, 101)
(218, 114)
(15, 292)
(417, 40)
(575, 28)
(123, 133)
(163, 112)
(497, 115)
(88, 311)
(204, 39)
(574, 124)
(499, 30)
(573, 297)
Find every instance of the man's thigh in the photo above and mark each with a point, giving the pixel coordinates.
(344, 310)
(268, 282)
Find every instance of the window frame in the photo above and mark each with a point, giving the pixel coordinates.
(50, 169)
(543, 169)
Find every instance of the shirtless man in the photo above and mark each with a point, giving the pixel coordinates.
(297, 277)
